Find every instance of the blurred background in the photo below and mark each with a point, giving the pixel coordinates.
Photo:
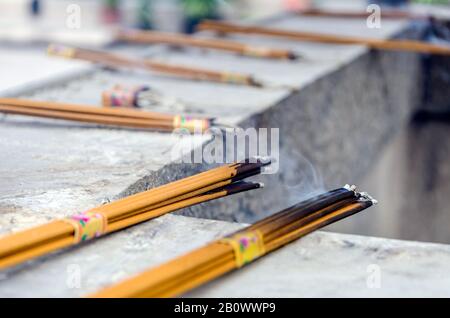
(24, 17)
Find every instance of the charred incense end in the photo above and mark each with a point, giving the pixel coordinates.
(255, 83)
(368, 197)
(350, 187)
(363, 195)
(265, 160)
(294, 56)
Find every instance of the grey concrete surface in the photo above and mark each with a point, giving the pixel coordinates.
(86, 269)
(319, 265)
(411, 180)
(24, 68)
(338, 265)
(40, 182)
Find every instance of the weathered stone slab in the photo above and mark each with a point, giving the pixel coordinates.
(110, 259)
(24, 68)
(319, 265)
(51, 169)
(336, 265)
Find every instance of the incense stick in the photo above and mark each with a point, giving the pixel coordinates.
(239, 249)
(390, 45)
(152, 37)
(105, 116)
(209, 185)
(121, 61)
(387, 14)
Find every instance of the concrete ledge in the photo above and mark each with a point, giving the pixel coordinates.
(337, 265)
(319, 265)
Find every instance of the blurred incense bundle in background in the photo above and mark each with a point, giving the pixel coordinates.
(118, 61)
(139, 96)
(164, 15)
(111, 117)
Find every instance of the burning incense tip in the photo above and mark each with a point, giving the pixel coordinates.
(368, 197)
(350, 187)
(255, 83)
(265, 160)
(294, 56)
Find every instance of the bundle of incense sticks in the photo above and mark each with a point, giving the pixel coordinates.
(151, 37)
(104, 116)
(215, 183)
(392, 45)
(388, 14)
(234, 251)
(139, 96)
(121, 61)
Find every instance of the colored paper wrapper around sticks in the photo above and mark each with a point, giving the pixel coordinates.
(120, 96)
(256, 51)
(247, 246)
(192, 124)
(87, 225)
(61, 50)
(234, 78)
